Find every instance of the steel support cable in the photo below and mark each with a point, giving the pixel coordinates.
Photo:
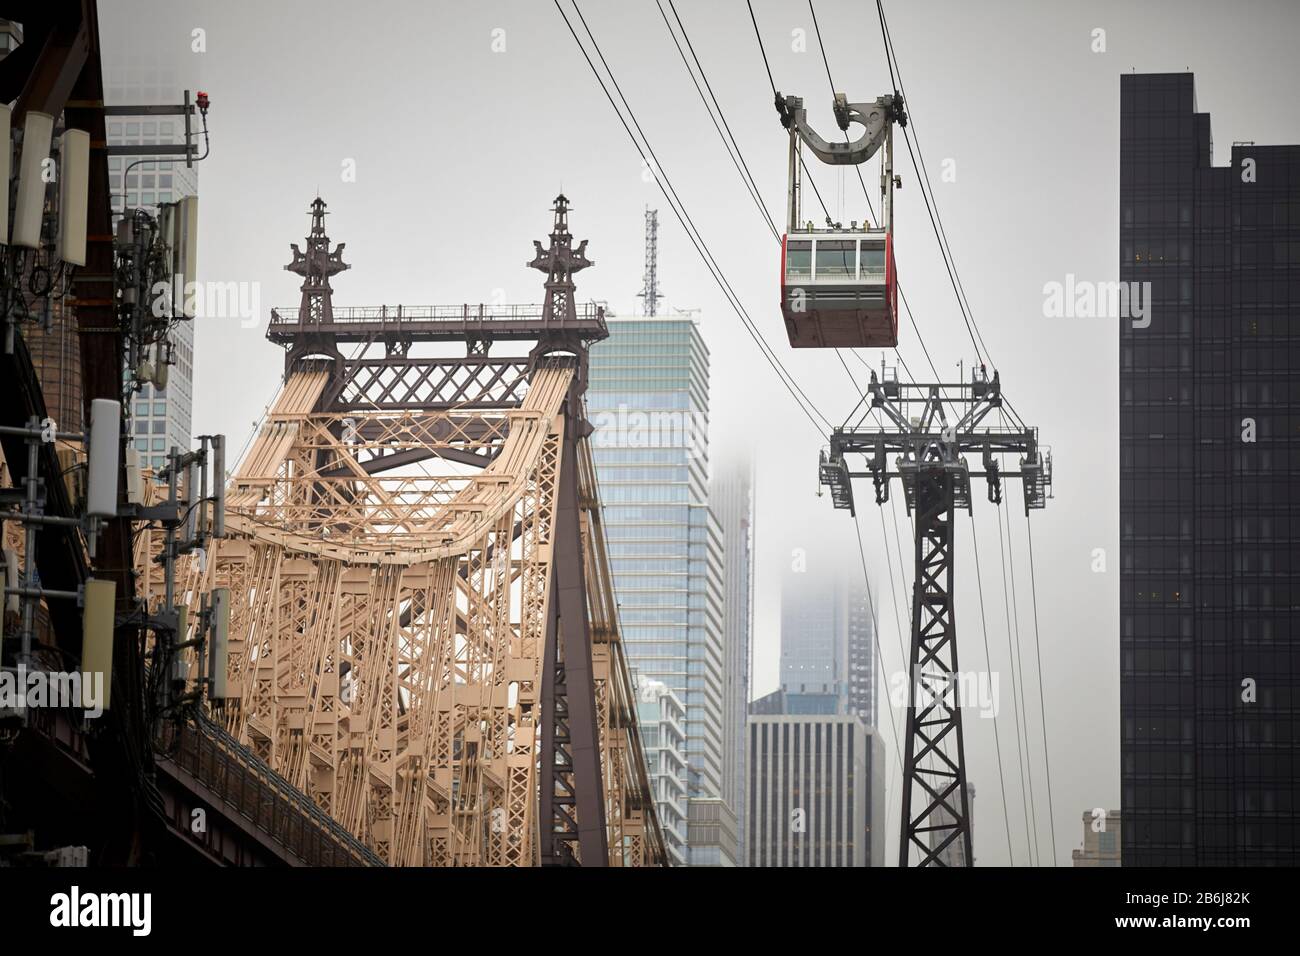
(1017, 701)
(972, 328)
(875, 635)
(1051, 813)
(670, 194)
(902, 569)
(988, 662)
(808, 176)
(857, 168)
(922, 181)
(862, 395)
(898, 548)
(1015, 602)
(738, 159)
(771, 82)
(891, 59)
(825, 211)
(904, 658)
(682, 215)
(865, 192)
(903, 648)
(898, 621)
(857, 528)
(972, 332)
(767, 66)
(963, 302)
(901, 361)
(963, 306)
(942, 250)
(875, 629)
(746, 175)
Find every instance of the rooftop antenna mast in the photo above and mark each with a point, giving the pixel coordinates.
(650, 282)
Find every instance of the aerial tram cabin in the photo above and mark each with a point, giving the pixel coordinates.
(839, 286)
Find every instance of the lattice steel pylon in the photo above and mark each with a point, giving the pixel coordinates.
(650, 281)
(929, 447)
(423, 634)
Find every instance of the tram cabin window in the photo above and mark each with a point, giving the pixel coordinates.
(873, 259)
(798, 258)
(835, 258)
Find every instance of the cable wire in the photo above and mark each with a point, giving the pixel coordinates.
(1018, 701)
(988, 660)
(923, 180)
(670, 194)
(1041, 705)
(737, 160)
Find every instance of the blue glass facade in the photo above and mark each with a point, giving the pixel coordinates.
(648, 401)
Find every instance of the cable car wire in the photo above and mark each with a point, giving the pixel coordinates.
(737, 160)
(758, 37)
(891, 59)
(981, 352)
(972, 332)
(922, 170)
(857, 527)
(857, 168)
(866, 193)
(853, 382)
(932, 224)
(923, 181)
(1051, 813)
(670, 194)
(1026, 800)
(988, 661)
(880, 656)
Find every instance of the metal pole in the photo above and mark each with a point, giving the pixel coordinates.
(30, 509)
(887, 181)
(793, 199)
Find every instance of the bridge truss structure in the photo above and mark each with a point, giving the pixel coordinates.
(423, 634)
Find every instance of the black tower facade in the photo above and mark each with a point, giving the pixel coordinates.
(1209, 476)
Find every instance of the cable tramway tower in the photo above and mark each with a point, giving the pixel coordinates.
(839, 289)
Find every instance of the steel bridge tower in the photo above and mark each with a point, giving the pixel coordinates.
(928, 429)
(423, 637)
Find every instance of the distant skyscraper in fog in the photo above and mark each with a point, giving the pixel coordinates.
(827, 645)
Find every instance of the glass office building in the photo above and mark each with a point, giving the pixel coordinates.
(816, 791)
(1209, 468)
(648, 401)
(827, 645)
(662, 720)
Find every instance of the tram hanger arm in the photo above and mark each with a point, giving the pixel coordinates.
(874, 117)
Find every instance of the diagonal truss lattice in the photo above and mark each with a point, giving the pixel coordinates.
(398, 579)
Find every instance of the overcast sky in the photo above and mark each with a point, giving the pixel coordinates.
(465, 119)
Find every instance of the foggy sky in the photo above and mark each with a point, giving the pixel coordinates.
(459, 151)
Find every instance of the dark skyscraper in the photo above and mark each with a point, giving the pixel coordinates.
(1209, 463)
